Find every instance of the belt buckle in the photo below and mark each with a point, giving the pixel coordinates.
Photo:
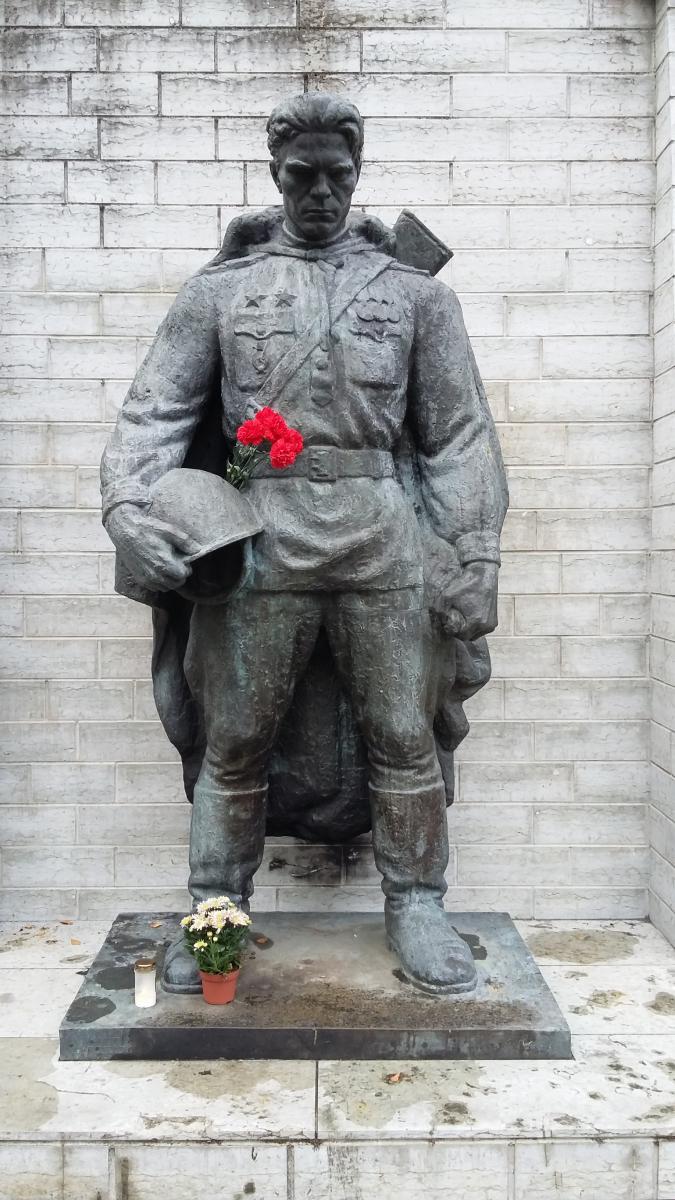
(322, 464)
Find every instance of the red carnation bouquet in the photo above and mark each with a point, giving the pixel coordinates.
(265, 433)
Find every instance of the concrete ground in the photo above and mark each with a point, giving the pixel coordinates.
(600, 1127)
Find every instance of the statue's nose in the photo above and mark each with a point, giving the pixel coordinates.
(321, 189)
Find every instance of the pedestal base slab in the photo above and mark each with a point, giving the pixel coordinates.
(318, 986)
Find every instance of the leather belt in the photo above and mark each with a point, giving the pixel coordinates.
(325, 464)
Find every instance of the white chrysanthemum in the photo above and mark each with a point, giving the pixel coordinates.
(213, 902)
(201, 945)
(186, 920)
(239, 918)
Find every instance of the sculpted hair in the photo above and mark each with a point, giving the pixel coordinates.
(315, 112)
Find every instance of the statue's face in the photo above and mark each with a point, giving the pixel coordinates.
(316, 176)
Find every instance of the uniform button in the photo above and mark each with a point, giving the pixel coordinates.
(321, 364)
(324, 345)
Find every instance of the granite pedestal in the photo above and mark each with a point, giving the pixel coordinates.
(318, 986)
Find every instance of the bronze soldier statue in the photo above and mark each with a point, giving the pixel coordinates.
(321, 693)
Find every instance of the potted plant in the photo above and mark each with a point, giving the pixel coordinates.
(216, 934)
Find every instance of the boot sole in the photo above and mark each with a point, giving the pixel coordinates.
(177, 990)
(434, 989)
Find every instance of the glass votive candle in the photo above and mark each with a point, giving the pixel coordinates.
(145, 971)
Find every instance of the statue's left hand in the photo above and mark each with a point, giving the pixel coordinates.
(153, 551)
(470, 607)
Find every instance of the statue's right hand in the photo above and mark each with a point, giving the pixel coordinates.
(153, 551)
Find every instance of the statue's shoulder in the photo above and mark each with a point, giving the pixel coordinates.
(418, 284)
(406, 269)
(230, 266)
(374, 253)
(433, 288)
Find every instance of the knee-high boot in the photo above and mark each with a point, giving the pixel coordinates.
(410, 843)
(227, 840)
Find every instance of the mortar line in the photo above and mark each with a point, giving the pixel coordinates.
(112, 1171)
(290, 1171)
(533, 1138)
(511, 1172)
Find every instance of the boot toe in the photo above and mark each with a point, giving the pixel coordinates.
(441, 970)
(456, 974)
(433, 957)
(180, 973)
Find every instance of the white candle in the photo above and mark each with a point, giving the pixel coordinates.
(145, 994)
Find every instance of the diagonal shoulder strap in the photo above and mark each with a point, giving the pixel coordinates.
(289, 365)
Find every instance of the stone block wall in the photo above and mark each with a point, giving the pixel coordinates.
(522, 133)
(662, 822)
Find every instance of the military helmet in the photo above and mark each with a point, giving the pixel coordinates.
(218, 517)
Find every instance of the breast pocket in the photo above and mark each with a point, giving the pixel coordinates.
(259, 343)
(376, 357)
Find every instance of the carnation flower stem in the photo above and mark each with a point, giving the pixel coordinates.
(242, 464)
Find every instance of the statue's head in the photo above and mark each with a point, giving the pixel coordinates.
(316, 143)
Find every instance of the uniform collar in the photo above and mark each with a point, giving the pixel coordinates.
(333, 251)
(291, 239)
(250, 237)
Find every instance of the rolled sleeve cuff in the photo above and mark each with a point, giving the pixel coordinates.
(132, 493)
(478, 547)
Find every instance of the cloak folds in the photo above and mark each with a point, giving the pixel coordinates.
(318, 769)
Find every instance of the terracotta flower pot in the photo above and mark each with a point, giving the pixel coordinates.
(219, 989)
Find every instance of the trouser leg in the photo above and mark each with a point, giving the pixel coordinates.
(242, 664)
(382, 643)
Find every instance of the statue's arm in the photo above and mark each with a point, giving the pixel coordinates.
(166, 400)
(154, 429)
(463, 481)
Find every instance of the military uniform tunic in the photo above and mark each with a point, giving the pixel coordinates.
(399, 353)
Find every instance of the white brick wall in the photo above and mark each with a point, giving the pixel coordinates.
(662, 642)
(522, 133)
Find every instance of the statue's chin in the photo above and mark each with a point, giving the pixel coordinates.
(319, 231)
